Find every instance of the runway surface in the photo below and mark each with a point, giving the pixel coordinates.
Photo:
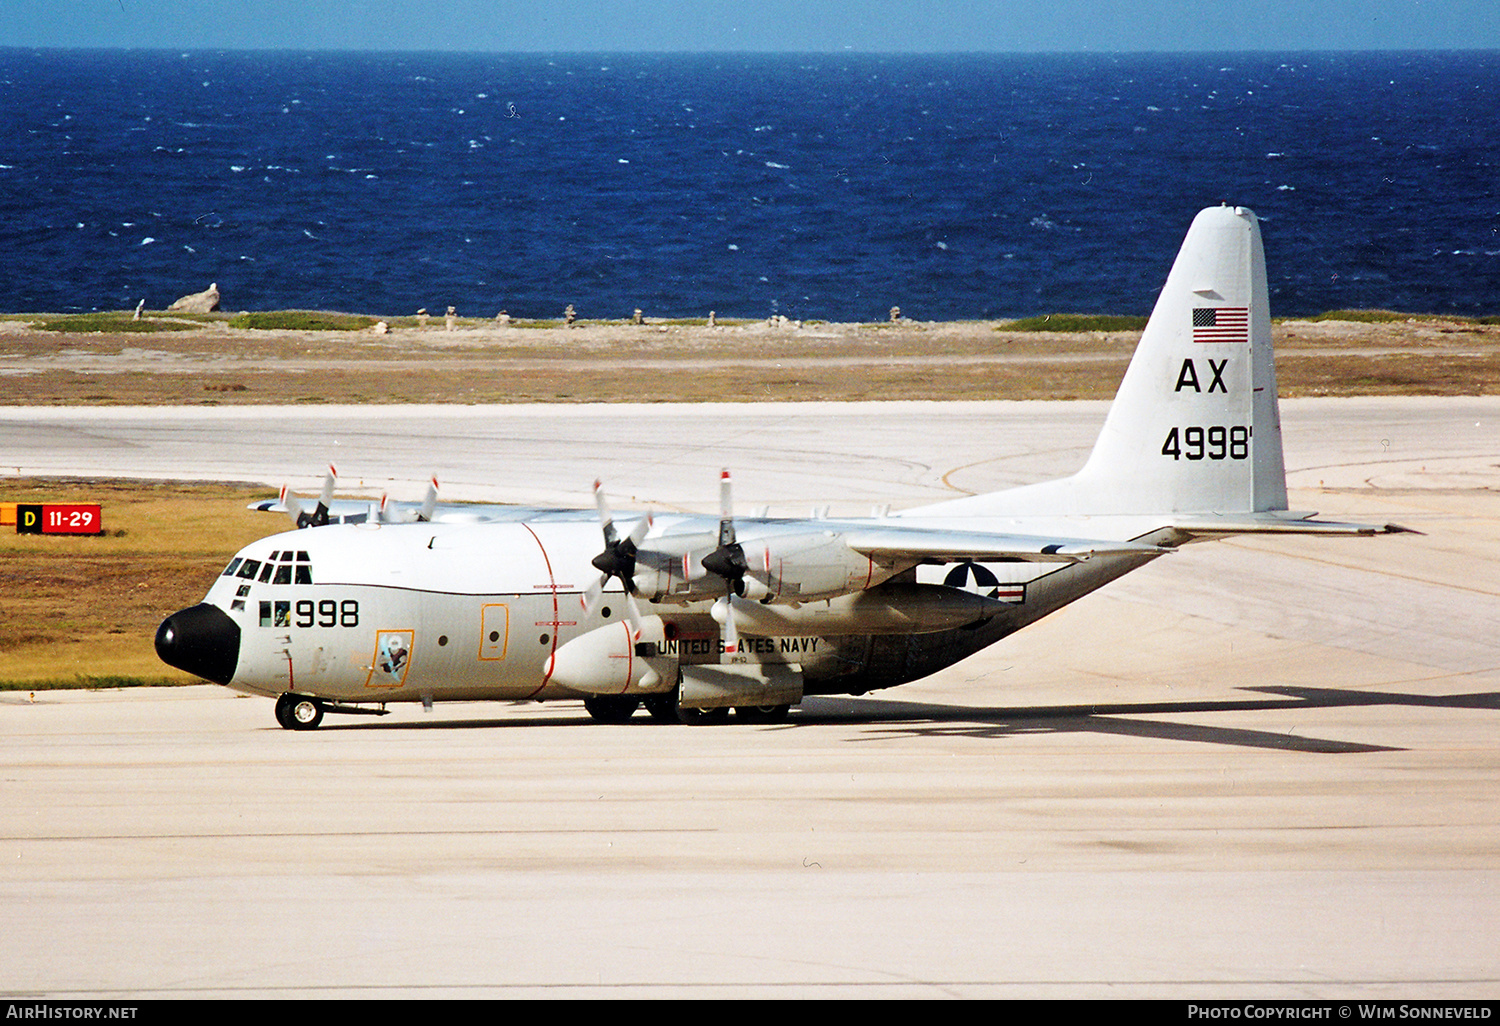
(1254, 769)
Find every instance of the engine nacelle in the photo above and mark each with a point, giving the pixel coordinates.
(607, 661)
(905, 608)
(670, 569)
(781, 568)
(808, 567)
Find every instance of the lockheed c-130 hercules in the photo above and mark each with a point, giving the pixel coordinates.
(692, 616)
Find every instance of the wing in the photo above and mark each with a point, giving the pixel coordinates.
(358, 511)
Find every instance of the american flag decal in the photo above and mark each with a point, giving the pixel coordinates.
(1221, 324)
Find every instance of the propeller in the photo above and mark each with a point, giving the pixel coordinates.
(727, 561)
(319, 515)
(616, 561)
(388, 514)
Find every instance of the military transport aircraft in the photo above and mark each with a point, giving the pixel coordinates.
(691, 616)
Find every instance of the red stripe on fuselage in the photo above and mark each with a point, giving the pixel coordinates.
(552, 586)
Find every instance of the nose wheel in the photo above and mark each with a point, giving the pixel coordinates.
(298, 712)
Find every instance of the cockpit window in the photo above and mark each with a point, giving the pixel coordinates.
(234, 564)
(283, 567)
(285, 572)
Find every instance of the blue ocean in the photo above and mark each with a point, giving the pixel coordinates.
(812, 186)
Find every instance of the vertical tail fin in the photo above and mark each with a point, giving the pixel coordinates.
(1194, 427)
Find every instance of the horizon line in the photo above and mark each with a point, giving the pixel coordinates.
(199, 47)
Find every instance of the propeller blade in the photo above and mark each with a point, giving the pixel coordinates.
(633, 615)
(638, 532)
(604, 515)
(731, 632)
(293, 507)
(429, 502)
(592, 594)
(723, 612)
(320, 513)
(726, 511)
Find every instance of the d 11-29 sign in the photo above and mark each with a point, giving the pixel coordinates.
(59, 518)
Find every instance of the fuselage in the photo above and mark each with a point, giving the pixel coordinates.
(442, 612)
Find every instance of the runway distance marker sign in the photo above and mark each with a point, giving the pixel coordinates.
(53, 518)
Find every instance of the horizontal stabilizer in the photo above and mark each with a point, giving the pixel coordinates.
(896, 544)
(1281, 523)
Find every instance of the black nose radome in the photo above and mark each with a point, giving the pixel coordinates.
(202, 640)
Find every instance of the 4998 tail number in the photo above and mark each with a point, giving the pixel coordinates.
(1210, 443)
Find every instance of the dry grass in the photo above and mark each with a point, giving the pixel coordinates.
(81, 610)
(671, 362)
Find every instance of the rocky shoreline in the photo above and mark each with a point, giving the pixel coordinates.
(208, 362)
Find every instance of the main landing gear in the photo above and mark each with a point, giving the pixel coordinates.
(611, 708)
(762, 713)
(664, 709)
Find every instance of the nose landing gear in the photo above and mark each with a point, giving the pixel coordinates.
(298, 712)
